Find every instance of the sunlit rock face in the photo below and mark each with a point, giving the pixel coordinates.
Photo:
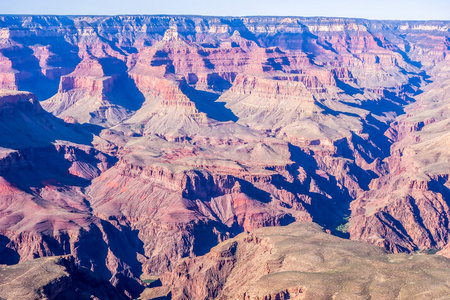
(131, 142)
(300, 261)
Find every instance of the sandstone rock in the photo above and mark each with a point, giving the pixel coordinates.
(396, 212)
(300, 261)
(214, 126)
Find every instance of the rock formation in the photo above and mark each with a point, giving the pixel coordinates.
(53, 278)
(132, 142)
(300, 261)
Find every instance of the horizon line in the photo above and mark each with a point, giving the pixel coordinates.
(220, 16)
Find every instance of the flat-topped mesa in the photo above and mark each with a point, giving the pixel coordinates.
(199, 177)
(12, 102)
(267, 87)
(169, 91)
(98, 91)
(89, 77)
(172, 94)
(315, 82)
(191, 182)
(176, 99)
(250, 96)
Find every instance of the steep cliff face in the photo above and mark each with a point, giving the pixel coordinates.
(186, 203)
(45, 165)
(407, 207)
(172, 134)
(97, 91)
(300, 261)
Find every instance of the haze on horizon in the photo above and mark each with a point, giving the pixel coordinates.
(368, 9)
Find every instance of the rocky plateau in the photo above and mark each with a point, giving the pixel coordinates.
(131, 146)
(300, 261)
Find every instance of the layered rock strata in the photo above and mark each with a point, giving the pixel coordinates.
(300, 261)
(172, 134)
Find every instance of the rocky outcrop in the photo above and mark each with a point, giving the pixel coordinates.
(12, 102)
(53, 278)
(300, 261)
(94, 83)
(177, 133)
(45, 164)
(188, 210)
(406, 208)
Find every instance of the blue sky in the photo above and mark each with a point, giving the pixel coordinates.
(370, 9)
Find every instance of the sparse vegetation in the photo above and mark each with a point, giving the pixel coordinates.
(343, 227)
(149, 281)
(427, 251)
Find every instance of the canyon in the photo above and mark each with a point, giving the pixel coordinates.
(131, 146)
